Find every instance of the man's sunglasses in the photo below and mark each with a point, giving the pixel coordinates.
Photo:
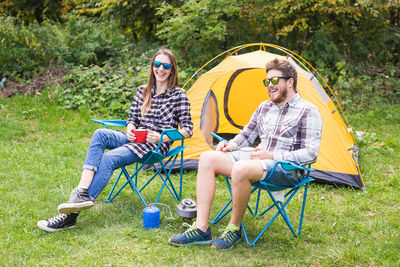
(158, 64)
(274, 80)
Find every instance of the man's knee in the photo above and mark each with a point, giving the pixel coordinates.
(239, 172)
(245, 171)
(208, 158)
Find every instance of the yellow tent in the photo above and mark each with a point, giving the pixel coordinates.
(223, 99)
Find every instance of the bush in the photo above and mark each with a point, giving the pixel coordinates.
(25, 49)
(88, 42)
(108, 89)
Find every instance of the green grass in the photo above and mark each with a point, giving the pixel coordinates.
(42, 151)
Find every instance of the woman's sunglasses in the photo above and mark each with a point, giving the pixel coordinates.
(158, 64)
(274, 80)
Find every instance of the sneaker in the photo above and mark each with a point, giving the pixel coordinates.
(192, 236)
(230, 235)
(79, 199)
(60, 222)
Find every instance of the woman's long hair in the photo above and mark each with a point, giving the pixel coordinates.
(172, 79)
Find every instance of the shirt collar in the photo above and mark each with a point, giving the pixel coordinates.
(168, 91)
(292, 102)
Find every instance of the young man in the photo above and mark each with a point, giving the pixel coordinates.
(289, 128)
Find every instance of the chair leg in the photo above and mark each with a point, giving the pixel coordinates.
(166, 180)
(109, 198)
(265, 229)
(245, 234)
(130, 182)
(134, 188)
(171, 186)
(303, 208)
(222, 214)
(281, 211)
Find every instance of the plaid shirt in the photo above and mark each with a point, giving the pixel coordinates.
(168, 110)
(291, 133)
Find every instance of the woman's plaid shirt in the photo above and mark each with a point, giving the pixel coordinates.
(167, 111)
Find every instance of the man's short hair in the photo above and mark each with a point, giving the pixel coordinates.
(285, 67)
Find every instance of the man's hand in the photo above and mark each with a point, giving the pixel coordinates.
(261, 153)
(224, 147)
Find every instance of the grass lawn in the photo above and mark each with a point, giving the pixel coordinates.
(42, 149)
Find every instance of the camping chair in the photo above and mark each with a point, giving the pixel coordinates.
(154, 158)
(280, 206)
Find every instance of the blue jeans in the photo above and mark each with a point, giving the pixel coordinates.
(104, 163)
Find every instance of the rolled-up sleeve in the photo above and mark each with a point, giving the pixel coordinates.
(182, 108)
(135, 111)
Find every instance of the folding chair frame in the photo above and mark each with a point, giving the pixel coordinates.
(153, 158)
(264, 185)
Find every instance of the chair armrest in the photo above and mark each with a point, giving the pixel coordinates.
(219, 138)
(173, 135)
(106, 123)
(288, 166)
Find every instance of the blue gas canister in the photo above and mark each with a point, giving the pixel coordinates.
(151, 217)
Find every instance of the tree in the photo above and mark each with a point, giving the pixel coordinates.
(196, 28)
(30, 11)
(137, 18)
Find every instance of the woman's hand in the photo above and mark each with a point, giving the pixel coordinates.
(154, 137)
(131, 136)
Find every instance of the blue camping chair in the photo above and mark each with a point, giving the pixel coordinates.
(153, 158)
(269, 188)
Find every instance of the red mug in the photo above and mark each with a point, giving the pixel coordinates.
(140, 135)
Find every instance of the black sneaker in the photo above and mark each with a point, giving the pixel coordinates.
(79, 199)
(60, 222)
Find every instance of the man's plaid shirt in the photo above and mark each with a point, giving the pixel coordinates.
(291, 133)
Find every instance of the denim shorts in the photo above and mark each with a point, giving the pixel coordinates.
(280, 176)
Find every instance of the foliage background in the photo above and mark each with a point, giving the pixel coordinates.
(107, 45)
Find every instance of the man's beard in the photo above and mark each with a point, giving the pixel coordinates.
(282, 94)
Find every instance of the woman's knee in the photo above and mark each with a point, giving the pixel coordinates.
(108, 160)
(100, 132)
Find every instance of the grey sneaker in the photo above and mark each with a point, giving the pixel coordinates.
(60, 222)
(79, 199)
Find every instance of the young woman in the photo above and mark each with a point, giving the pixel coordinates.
(158, 105)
